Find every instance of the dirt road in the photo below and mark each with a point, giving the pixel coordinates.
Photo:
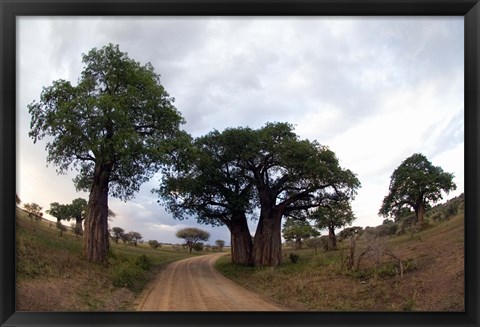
(193, 284)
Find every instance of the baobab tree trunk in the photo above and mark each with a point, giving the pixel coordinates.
(332, 239)
(78, 226)
(298, 243)
(241, 240)
(420, 211)
(267, 245)
(95, 238)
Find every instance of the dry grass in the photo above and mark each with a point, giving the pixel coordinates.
(433, 279)
(53, 276)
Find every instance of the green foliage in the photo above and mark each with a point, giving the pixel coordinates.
(33, 209)
(198, 246)
(126, 274)
(59, 211)
(226, 175)
(383, 230)
(154, 244)
(78, 209)
(335, 215)
(118, 233)
(315, 243)
(192, 235)
(128, 271)
(415, 183)
(143, 262)
(220, 244)
(118, 115)
(294, 229)
(350, 231)
(206, 182)
(294, 257)
(117, 127)
(134, 237)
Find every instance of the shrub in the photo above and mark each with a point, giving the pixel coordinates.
(383, 230)
(437, 216)
(126, 274)
(451, 209)
(198, 246)
(294, 257)
(154, 244)
(143, 262)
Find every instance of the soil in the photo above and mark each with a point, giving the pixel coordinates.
(193, 284)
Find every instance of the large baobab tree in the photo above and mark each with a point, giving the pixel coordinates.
(115, 127)
(415, 184)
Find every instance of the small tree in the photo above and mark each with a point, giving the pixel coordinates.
(78, 210)
(117, 234)
(17, 199)
(297, 230)
(61, 212)
(314, 242)
(135, 237)
(154, 244)
(352, 234)
(192, 235)
(416, 183)
(220, 244)
(126, 238)
(34, 210)
(335, 215)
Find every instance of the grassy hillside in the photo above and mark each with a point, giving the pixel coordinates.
(53, 276)
(433, 273)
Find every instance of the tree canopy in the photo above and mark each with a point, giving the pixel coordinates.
(207, 183)
(115, 127)
(192, 236)
(416, 183)
(33, 209)
(264, 173)
(298, 230)
(332, 216)
(59, 211)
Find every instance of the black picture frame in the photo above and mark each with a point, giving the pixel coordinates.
(10, 9)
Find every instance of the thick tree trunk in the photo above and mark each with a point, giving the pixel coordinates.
(78, 226)
(59, 226)
(267, 245)
(332, 239)
(298, 243)
(420, 212)
(241, 241)
(95, 238)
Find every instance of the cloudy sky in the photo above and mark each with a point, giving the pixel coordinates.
(375, 90)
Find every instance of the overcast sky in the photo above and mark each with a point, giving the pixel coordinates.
(375, 90)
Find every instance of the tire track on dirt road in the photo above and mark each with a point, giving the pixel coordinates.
(193, 284)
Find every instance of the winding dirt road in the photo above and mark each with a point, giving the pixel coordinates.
(193, 284)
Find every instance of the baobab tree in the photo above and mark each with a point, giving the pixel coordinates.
(269, 172)
(298, 230)
(290, 175)
(331, 216)
(115, 127)
(206, 183)
(415, 184)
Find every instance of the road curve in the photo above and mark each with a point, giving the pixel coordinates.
(193, 284)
